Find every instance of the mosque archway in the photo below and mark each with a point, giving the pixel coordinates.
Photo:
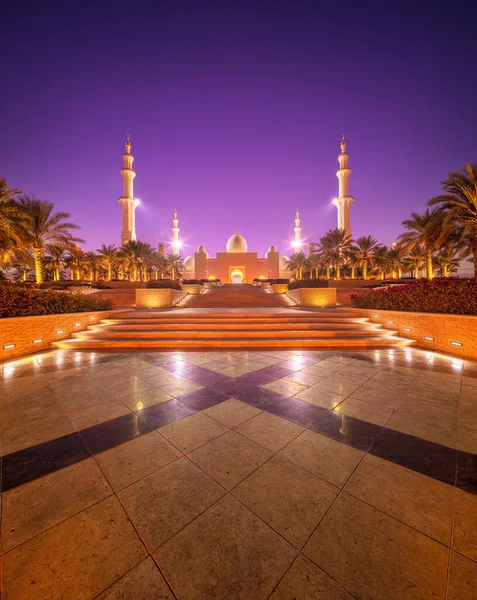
(236, 276)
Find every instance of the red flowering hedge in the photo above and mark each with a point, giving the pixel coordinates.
(19, 301)
(454, 296)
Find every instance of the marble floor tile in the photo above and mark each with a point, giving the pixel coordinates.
(384, 398)
(192, 432)
(430, 410)
(335, 385)
(349, 430)
(468, 380)
(180, 388)
(97, 414)
(305, 581)
(230, 458)
(286, 388)
(78, 558)
(435, 431)
(136, 459)
(468, 416)
(304, 378)
(374, 556)
(143, 582)
(232, 412)
(320, 397)
(139, 401)
(467, 440)
(164, 379)
(227, 552)
(166, 501)
(23, 436)
(110, 434)
(270, 431)
(288, 498)
(203, 398)
(410, 497)
(464, 538)
(372, 413)
(164, 413)
(36, 506)
(462, 578)
(331, 460)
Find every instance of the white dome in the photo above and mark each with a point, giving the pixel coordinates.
(201, 250)
(283, 262)
(236, 243)
(271, 249)
(189, 263)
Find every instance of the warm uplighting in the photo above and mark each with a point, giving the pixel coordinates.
(77, 324)
(428, 338)
(211, 277)
(407, 329)
(60, 331)
(262, 277)
(456, 343)
(9, 346)
(391, 322)
(37, 341)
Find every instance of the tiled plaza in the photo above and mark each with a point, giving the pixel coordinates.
(239, 475)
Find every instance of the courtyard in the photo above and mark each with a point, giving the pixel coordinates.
(239, 475)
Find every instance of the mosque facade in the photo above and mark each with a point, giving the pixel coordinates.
(236, 264)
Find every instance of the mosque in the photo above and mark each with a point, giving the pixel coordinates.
(236, 264)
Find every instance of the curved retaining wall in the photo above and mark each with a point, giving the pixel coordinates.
(32, 334)
(456, 334)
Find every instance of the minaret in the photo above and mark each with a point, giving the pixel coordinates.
(297, 242)
(175, 244)
(344, 201)
(127, 201)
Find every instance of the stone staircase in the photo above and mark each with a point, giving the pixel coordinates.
(248, 328)
(236, 296)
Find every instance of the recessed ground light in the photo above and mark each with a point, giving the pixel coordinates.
(407, 329)
(60, 331)
(77, 324)
(91, 318)
(376, 316)
(456, 343)
(8, 346)
(391, 322)
(429, 339)
(37, 341)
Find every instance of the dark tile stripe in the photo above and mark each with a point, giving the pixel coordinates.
(31, 463)
(112, 433)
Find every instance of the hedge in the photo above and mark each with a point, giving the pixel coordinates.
(18, 301)
(308, 283)
(164, 284)
(192, 282)
(455, 296)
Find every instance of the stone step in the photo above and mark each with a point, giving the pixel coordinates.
(227, 326)
(232, 322)
(193, 344)
(220, 334)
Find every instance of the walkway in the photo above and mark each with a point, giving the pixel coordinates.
(237, 475)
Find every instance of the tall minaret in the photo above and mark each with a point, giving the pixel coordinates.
(127, 201)
(297, 242)
(175, 244)
(344, 201)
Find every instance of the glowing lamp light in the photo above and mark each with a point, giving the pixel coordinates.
(60, 331)
(296, 244)
(429, 338)
(456, 343)
(37, 341)
(9, 346)
(211, 277)
(262, 277)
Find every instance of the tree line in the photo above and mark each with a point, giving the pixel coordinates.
(39, 244)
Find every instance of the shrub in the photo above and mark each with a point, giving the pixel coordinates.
(164, 284)
(279, 281)
(452, 296)
(192, 282)
(308, 283)
(22, 301)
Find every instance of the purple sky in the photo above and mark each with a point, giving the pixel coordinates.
(235, 111)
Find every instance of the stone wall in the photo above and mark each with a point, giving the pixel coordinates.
(32, 334)
(316, 297)
(439, 329)
(158, 298)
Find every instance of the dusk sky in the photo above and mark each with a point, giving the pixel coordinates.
(235, 111)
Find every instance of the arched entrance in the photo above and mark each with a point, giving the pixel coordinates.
(236, 276)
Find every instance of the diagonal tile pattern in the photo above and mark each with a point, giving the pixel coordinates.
(267, 474)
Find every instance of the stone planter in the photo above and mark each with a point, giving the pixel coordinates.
(158, 298)
(280, 288)
(317, 297)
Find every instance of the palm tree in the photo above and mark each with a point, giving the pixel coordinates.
(93, 263)
(381, 260)
(76, 262)
(415, 260)
(425, 230)
(109, 255)
(57, 259)
(363, 251)
(298, 262)
(45, 228)
(459, 202)
(395, 256)
(12, 218)
(175, 265)
(447, 261)
(335, 247)
(23, 263)
(137, 256)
